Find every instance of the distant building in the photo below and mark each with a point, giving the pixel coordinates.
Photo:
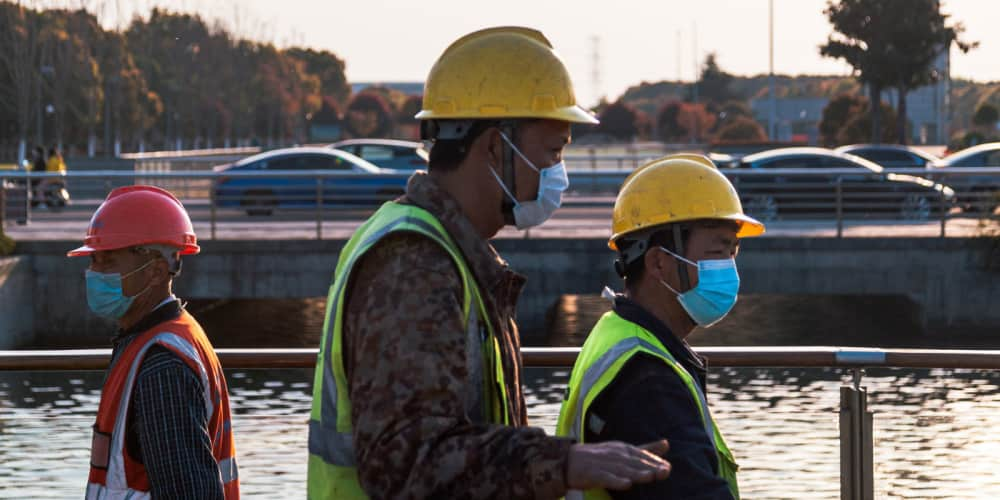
(927, 110)
(797, 117)
(408, 88)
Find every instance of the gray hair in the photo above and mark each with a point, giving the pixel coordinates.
(170, 254)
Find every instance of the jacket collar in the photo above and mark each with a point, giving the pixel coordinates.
(425, 192)
(630, 310)
(168, 310)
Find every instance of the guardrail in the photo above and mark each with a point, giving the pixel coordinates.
(855, 419)
(836, 195)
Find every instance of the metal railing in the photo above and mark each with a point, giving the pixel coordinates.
(855, 419)
(314, 196)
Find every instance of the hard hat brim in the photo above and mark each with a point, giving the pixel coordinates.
(749, 227)
(83, 251)
(571, 114)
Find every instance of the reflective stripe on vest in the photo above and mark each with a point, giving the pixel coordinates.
(108, 451)
(610, 344)
(331, 449)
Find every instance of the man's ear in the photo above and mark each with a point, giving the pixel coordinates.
(488, 144)
(658, 264)
(161, 270)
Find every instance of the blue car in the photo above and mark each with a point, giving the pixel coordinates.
(276, 179)
(387, 153)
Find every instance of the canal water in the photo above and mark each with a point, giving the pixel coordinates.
(934, 430)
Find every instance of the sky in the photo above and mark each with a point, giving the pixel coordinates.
(634, 41)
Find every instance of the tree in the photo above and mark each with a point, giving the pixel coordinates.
(619, 120)
(714, 85)
(668, 126)
(986, 116)
(368, 115)
(741, 129)
(836, 114)
(861, 39)
(328, 68)
(732, 109)
(19, 37)
(889, 43)
(859, 127)
(697, 120)
(409, 127)
(918, 37)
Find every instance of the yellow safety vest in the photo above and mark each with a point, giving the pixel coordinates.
(611, 343)
(332, 472)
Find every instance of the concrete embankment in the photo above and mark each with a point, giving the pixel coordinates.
(934, 285)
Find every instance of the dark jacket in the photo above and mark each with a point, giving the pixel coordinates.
(647, 401)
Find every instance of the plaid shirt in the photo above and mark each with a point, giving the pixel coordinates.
(167, 425)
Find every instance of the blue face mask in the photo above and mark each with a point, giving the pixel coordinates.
(552, 182)
(714, 295)
(104, 293)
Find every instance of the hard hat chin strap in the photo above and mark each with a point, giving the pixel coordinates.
(509, 178)
(640, 243)
(682, 267)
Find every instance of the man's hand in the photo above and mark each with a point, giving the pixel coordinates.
(615, 465)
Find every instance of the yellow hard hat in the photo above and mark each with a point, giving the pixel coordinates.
(507, 72)
(677, 188)
(704, 160)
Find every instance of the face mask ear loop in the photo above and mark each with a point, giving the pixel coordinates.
(510, 196)
(140, 268)
(664, 283)
(682, 268)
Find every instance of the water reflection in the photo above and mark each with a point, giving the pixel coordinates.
(931, 430)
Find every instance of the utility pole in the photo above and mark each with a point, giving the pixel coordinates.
(695, 126)
(680, 78)
(773, 113)
(595, 70)
(694, 54)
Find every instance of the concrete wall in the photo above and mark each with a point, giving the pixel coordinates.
(16, 295)
(948, 278)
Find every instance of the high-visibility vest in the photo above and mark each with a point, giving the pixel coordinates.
(611, 343)
(332, 473)
(115, 474)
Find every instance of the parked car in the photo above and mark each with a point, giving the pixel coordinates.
(868, 193)
(891, 155)
(387, 153)
(981, 194)
(365, 183)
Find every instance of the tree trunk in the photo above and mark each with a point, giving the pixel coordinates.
(876, 111)
(901, 135)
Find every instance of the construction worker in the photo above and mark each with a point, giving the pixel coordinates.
(163, 425)
(417, 392)
(676, 227)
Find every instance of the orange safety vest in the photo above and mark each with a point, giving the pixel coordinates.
(113, 473)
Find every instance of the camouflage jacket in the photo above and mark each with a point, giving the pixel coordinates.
(405, 358)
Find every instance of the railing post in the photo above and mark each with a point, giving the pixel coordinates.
(856, 464)
(944, 212)
(212, 203)
(27, 197)
(3, 206)
(840, 206)
(593, 158)
(319, 208)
